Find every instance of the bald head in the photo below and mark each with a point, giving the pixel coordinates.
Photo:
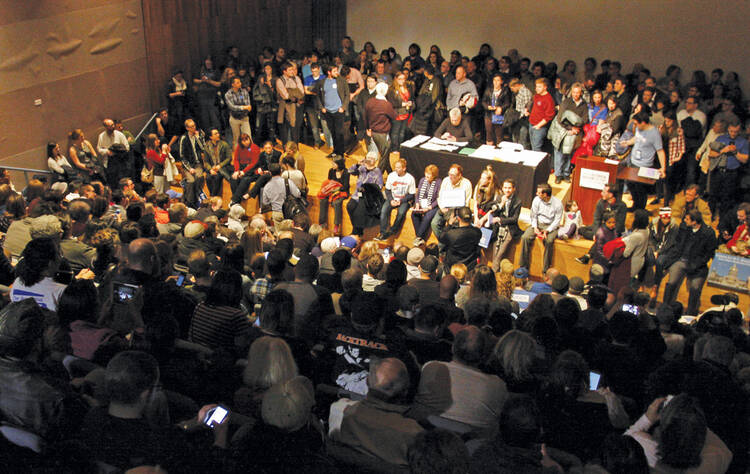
(142, 255)
(552, 272)
(388, 378)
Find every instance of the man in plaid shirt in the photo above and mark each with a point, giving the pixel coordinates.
(523, 97)
(238, 101)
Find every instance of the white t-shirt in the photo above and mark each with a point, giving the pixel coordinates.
(46, 292)
(400, 186)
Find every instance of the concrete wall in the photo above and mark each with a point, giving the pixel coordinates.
(84, 59)
(695, 34)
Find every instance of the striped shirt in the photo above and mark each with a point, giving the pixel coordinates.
(218, 326)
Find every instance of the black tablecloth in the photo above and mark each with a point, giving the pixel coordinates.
(527, 177)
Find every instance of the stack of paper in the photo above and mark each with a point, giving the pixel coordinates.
(532, 158)
(487, 152)
(415, 140)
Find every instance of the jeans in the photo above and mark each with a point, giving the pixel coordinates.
(677, 273)
(335, 122)
(215, 182)
(314, 121)
(193, 186)
(385, 217)
(562, 164)
(521, 133)
(267, 119)
(422, 223)
(537, 137)
(338, 206)
(398, 132)
(528, 238)
(501, 247)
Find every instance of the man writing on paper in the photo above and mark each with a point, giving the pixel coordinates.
(454, 192)
(455, 128)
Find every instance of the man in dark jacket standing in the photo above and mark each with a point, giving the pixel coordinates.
(696, 243)
(333, 97)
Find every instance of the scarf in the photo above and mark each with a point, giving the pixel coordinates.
(179, 86)
(428, 187)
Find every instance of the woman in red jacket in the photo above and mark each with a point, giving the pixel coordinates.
(248, 165)
(155, 162)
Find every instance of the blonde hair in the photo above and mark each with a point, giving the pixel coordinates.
(269, 361)
(515, 353)
(458, 270)
(368, 249)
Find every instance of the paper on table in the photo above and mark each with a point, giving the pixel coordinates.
(440, 141)
(532, 158)
(416, 140)
(611, 162)
(510, 145)
(488, 152)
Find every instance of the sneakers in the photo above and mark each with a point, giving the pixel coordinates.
(583, 259)
(558, 180)
(417, 242)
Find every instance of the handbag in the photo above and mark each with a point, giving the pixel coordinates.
(292, 205)
(147, 175)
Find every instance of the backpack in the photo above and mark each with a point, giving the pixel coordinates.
(292, 205)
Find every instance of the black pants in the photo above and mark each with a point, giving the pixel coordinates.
(335, 121)
(723, 189)
(241, 185)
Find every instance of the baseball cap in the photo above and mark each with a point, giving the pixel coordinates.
(521, 272)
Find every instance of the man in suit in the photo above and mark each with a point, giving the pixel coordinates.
(504, 217)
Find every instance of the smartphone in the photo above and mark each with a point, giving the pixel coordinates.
(630, 308)
(594, 378)
(181, 279)
(124, 292)
(216, 416)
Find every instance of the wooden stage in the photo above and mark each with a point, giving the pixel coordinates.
(316, 171)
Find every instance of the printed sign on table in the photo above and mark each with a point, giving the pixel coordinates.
(593, 179)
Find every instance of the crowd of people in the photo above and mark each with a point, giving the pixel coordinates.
(137, 316)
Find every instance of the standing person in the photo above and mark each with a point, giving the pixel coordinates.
(332, 93)
(238, 102)
(662, 235)
(693, 122)
(728, 153)
(429, 105)
(400, 188)
(155, 162)
(178, 96)
(646, 147)
(546, 214)
(495, 101)
(219, 162)
(379, 115)
(110, 141)
(207, 84)
(503, 216)
(425, 204)
(696, 243)
(192, 149)
(312, 107)
(461, 91)
(401, 96)
(522, 100)
(362, 98)
(266, 106)
(542, 112)
(291, 95)
(571, 117)
(673, 136)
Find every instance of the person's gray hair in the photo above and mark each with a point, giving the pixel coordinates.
(371, 157)
(455, 113)
(381, 88)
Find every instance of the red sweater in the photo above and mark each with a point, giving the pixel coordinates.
(543, 108)
(244, 158)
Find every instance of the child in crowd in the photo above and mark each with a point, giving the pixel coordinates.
(572, 220)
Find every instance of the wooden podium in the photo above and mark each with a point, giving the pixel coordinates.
(589, 177)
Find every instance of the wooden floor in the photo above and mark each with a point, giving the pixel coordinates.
(316, 171)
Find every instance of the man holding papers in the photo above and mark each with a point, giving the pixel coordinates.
(454, 192)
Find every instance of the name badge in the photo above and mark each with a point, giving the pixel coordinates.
(335, 86)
